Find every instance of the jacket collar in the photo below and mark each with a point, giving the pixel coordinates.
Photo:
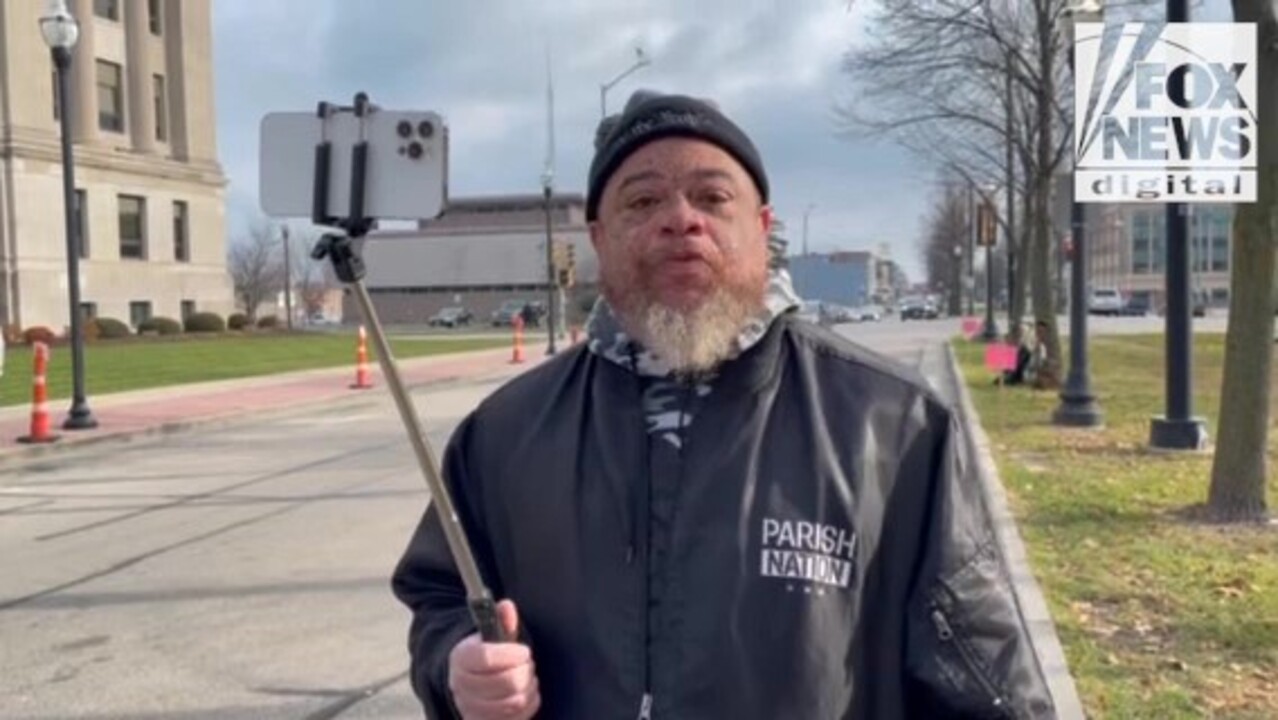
(607, 339)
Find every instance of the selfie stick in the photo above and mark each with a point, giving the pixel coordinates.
(349, 267)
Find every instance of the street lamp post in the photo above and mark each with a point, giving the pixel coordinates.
(806, 211)
(1178, 429)
(552, 316)
(641, 60)
(288, 280)
(989, 332)
(1078, 406)
(61, 32)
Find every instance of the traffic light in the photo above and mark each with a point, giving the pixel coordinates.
(559, 254)
(563, 258)
(986, 225)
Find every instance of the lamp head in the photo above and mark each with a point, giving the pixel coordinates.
(58, 26)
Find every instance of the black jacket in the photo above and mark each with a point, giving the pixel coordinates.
(817, 548)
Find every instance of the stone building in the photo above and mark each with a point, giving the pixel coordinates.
(149, 186)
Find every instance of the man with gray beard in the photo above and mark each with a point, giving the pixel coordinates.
(713, 509)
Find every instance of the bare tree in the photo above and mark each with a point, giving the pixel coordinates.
(977, 85)
(946, 230)
(311, 279)
(255, 266)
(1238, 473)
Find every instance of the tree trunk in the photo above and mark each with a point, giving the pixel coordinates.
(1040, 257)
(1041, 280)
(1024, 250)
(1238, 473)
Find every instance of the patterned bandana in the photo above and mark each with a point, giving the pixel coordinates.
(666, 398)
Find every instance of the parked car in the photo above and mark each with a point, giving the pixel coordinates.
(531, 312)
(1137, 306)
(1105, 301)
(918, 309)
(813, 311)
(451, 317)
(868, 313)
(504, 316)
(1198, 304)
(835, 313)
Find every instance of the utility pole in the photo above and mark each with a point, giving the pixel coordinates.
(288, 282)
(547, 189)
(806, 211)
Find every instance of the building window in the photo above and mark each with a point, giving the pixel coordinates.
(139, 312)
(1220, 225)
(188, 308)
(132, 227)
(181, 230)
(110, 97)
(161, 109)
(155, 16)
(109, 9)
(1140, 243)
(81, 218)
(1147, 242)
(88, 310)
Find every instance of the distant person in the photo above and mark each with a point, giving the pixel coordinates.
(1031, 358)
(712, 510)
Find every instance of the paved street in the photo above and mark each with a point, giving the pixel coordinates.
(235, 573)
(238, 571)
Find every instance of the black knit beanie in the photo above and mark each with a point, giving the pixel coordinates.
(650, 116)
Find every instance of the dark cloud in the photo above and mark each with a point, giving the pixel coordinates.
(772, 65)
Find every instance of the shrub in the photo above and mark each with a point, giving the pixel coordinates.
(38, 333)
(109, 327)
(270, 321)
(205, 322)
(160, 325)
(237, 321)
(89, 331)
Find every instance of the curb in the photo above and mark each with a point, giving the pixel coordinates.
(70, 443)
(1047, 645)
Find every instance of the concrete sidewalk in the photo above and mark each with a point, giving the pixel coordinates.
(122, 416)
(1034, 609)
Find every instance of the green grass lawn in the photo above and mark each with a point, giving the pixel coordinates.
(113, 366)
(1160, 617)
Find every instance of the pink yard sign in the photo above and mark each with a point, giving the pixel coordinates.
(1000, 357)
(970, 327)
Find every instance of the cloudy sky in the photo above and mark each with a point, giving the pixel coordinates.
(773, 65)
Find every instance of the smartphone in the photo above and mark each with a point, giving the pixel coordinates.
(406, 176)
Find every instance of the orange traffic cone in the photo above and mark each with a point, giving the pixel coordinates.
(362, 379)
(40, 432)
(517, 355)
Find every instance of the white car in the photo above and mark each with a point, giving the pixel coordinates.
(1105, 301)
(810, 311)
(868, 313)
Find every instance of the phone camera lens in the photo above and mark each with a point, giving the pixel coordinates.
(404, 128)
(425, 129)
(415, 150)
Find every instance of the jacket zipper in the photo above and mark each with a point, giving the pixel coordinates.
(644, 524)
(945, 632)
(645, 707)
